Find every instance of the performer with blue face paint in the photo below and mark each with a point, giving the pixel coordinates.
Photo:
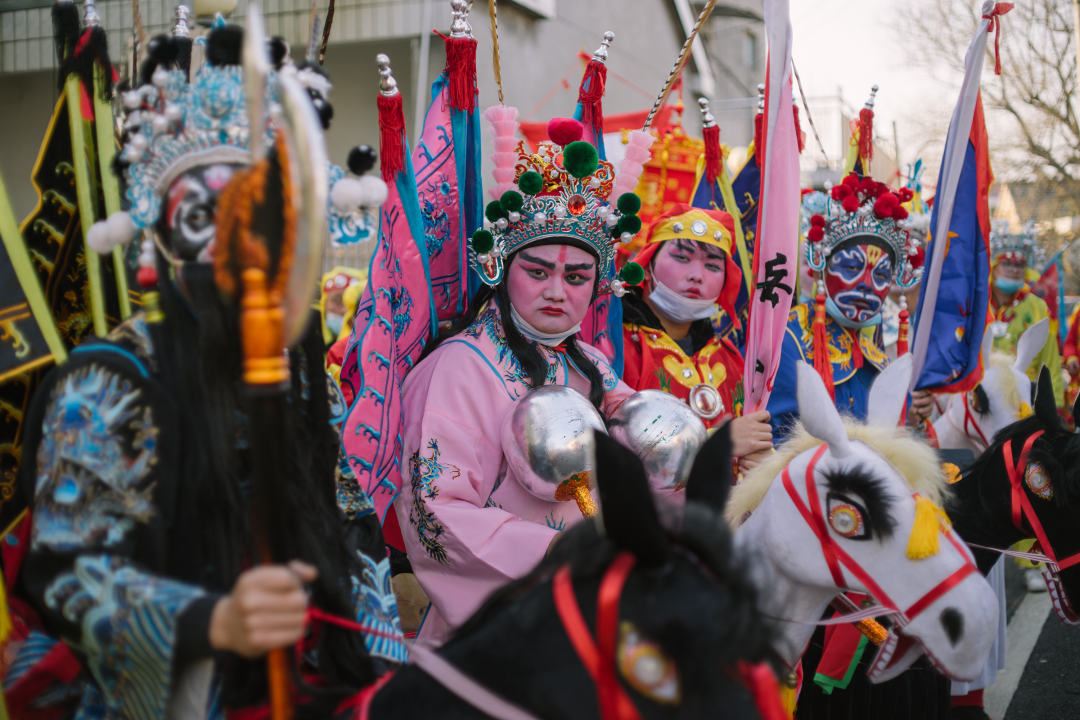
(857, 244)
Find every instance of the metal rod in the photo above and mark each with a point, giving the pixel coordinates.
(684, 55)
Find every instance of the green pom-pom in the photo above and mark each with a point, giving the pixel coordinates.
(494, 211)
(511, 201)
(580, 159)
(632, 273)
(616, 232)
(629, 204)
(531, 183)
(630, 224)
(482, 241)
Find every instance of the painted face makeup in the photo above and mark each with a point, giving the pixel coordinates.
(190, 209)
(693, 270)
(551, 286)
(857, 279)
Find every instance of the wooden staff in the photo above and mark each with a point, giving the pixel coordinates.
(684, 55)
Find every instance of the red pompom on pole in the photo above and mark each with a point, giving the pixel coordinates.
(759, 150)
(391, 124)
(866, 129)
(593, 83)
(713, 153)
(822, 365)
(461, 71)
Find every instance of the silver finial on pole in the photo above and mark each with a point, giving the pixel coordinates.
(870, 103)
(460, 28)
(707, 119)
(90, 16)
(388, 85)
(601, 53)
(761, 98)
(182, 17)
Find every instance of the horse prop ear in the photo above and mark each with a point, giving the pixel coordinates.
(888, 394)
(818, 412)
(626, 505)
(1045, 405)
(710, 477)
(1030, 343)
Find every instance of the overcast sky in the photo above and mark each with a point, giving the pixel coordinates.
(854, 45)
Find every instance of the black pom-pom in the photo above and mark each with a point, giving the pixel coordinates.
(630, 224)
(279, 49)
(161, 50)
(183, 55)
(66, 30)
(511, 201)
(482, 241)
(224, 45)
(494, 211)
(361, 159)
(530, 182)
(629, 204)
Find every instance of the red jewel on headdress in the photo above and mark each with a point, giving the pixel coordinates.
(575, 205)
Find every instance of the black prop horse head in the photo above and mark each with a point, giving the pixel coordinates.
(982, 506)
(686, 615)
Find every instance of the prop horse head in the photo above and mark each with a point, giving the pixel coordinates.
(1004, 396)
(847, 506)
(627, 617)
(1027, 485)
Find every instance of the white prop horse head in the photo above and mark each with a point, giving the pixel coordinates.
(972, 419)
(845, 506)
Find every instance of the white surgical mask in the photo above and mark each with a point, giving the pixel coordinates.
(334, 322)
(548, 339)
(678, 308)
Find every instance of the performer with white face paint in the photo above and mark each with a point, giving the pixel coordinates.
(468, 518)
(858, 246)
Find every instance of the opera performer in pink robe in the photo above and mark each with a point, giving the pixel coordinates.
(468, 524)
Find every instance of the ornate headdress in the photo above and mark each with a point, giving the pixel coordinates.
(866, 211)
(1023, 244)
(565, 193)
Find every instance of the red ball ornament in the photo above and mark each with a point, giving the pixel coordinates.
(563, 131)
(817, 221)
(899, 213)
(882, 208)
(815, 234)
(147, 277)
(852, 181)
(918, 258)
(906, 194)
(851, 203)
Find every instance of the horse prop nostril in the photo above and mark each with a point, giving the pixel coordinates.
(953, 622)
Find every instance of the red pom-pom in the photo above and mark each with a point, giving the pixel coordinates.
(842, 191)
(906, 194)
(851, 203)
(815, 234)
(882, 208)
(881, 189)
(899, 213)
(867, 187)
(817, 221)
(563, 131)
(918, 258)
(852, 181)
(147, 277)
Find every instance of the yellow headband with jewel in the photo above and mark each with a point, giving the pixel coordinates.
(693, 225)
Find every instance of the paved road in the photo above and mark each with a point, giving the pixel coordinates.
(1049, 688)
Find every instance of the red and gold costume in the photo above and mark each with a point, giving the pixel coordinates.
(652, 360)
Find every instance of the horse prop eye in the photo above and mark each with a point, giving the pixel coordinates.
(980, 403)
(847, 517)
(646, 668)
(1038, 481)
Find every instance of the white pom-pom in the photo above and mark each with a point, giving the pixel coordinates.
(346, 194)
(374, 191)
(160, 78)
(97, 237)
(121, 228)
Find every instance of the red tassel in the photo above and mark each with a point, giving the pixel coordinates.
(461, 70)
(590, 94)
(391, 137)
(759, 149)
(902, 338)
(713, 153)
(822, 366)
(799, 134)
(866, 135)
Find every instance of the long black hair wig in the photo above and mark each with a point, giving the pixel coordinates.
(532, 361)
